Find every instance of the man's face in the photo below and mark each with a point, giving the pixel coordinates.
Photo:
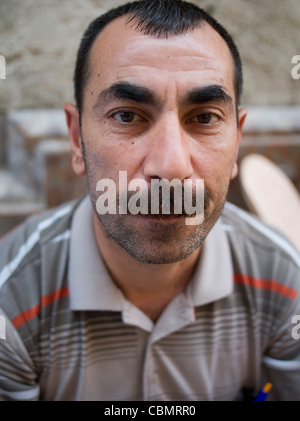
(160, 108)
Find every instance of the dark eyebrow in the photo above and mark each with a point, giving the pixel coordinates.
(211, 93)
(126, 90)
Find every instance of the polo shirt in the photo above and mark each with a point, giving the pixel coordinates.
(70, 334)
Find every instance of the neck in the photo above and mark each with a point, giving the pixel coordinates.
(150, 287)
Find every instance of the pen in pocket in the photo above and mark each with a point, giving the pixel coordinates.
(262, 395)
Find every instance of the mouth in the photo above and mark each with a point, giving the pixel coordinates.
(162, 218)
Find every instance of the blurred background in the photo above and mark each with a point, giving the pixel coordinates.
(39, 41)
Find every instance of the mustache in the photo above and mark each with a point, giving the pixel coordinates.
(173, 201)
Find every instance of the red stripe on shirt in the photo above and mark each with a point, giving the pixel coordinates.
(27, 315)
(268, 284)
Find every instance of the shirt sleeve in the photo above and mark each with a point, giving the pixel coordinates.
(281, 362)
(18, 377)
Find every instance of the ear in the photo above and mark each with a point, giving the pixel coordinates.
(72, 117)
(241, 119)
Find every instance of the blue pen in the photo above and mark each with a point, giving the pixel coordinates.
(262, 395)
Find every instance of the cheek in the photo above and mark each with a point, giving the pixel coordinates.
(106, 160)
(214, 165)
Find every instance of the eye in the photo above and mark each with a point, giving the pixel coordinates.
(207, 119)
(127, 117)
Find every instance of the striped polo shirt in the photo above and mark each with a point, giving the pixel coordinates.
(70, 334)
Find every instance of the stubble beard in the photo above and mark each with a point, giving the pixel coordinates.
(164, 246)
(153, 242)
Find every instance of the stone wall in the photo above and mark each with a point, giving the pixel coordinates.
(39, 39)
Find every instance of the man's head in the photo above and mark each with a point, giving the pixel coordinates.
(157, 93)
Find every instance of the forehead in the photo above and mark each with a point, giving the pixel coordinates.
(200, 56)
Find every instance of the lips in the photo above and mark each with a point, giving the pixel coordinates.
(163, 216)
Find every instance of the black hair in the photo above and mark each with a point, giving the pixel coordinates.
(155, 18)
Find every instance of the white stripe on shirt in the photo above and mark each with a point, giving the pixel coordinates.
(61, 237)
(284, 365)
(272, 235)
(30, 243)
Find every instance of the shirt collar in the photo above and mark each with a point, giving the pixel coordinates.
(213, 276)
(91, 287)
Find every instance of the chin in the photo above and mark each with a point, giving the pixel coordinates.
(159, 258)
(163, 250)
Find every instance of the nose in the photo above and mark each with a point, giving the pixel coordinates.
(168, 154)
